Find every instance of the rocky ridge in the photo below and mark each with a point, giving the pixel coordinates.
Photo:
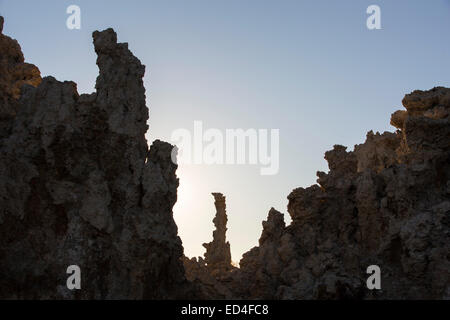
(387, 203)
(79, 185)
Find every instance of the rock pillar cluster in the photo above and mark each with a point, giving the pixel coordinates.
(79, 185)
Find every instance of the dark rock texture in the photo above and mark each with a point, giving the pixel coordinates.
(14, 73)
(386, 203)
(78, 184)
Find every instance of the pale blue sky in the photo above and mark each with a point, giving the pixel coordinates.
(309, 68)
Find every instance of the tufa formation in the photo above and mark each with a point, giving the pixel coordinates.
(387, 203)
(79, 185)
(214, 274)
(218, 255)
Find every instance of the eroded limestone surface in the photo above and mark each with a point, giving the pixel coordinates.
(79, 185)
(386, 203)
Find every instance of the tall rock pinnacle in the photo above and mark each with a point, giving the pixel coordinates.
(218, 254)
(79, 185)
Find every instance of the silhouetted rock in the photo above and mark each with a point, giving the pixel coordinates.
(387, 203)
(218, 255)
(214, 273)
(209, 283)
(79, 185)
